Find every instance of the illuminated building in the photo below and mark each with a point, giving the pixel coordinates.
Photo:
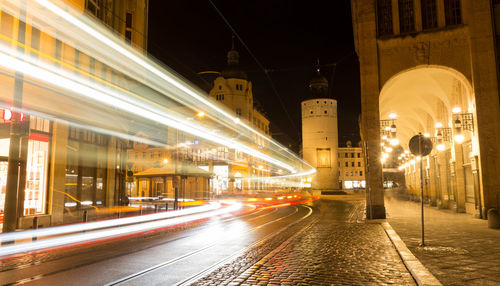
(233, 89)
(320, 135)
(435, 64)
(351, 167)
(67, 169)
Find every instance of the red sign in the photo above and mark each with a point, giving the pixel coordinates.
(39, 137)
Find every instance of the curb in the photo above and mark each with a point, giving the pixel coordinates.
(419, 272)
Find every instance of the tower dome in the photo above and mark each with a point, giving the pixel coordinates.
(318, 85)
(233, 70)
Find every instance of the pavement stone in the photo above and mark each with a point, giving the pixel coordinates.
(460, 249)
(334, 249)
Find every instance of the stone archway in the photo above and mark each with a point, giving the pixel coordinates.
(429, 99)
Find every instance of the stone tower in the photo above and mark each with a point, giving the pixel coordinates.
(320, 135)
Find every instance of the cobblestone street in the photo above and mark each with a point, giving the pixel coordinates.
(460, 249)
(336, 249)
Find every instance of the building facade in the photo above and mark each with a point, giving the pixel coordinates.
(320, 134)
(64, 169)
(351, 167)
(434, 64)
(233, 89)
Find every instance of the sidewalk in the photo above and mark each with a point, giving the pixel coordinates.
(460, 250)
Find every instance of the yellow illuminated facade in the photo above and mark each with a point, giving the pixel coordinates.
(68, 169)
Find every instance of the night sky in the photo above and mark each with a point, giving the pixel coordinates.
(285, 36)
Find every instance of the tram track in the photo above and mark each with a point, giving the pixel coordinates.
(253, 216)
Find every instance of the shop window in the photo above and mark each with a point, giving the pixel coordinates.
(406, 16)
(429, 14)
(384, 17)
(453, 13)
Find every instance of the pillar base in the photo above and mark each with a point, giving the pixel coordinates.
(377, 212)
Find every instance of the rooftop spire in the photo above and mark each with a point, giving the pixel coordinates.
(233, 56)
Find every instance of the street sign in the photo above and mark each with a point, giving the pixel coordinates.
(422, 148)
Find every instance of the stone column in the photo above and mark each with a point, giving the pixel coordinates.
(364, 13)
(460, 178)
(443, 178)
(433, 181)
(485, 83)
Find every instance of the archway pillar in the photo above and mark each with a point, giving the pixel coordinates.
(443, 179)
(433, 182)
(460, 178)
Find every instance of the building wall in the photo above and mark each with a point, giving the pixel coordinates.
(351, 165)
(109, 164)
(320, 141)
(464, 45)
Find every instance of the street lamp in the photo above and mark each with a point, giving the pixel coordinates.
(461, 122)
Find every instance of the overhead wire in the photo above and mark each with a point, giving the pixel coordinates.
(271, 83)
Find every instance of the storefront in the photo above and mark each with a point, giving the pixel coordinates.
(34, 174)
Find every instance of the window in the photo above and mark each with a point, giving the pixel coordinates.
(384, 17)
(143, 155)
(452, 12)
(352, 155)
(128, 27)
(94, 7)
(323, 155)
(345, 155)
(152, 155)
(219, 97)
(346, 173)
(347, 164)
(355, 173)
(352, 164)
(406, 16)
(326, 112)
(359, 155)
(429, 14)
(359, 164)
(220, 87)
(361, 173)
(238, 112)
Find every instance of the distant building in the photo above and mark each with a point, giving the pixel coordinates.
(320, 135)
(351, 167)
(233, 89)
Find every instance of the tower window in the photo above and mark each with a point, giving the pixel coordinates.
(429, 14)
(326, 112)
(128, 27)
(384, 17)
(453, 13)
(406, 16)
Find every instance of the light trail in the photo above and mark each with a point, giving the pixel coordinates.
(117, 231)
(60, 230)
(162, 97)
